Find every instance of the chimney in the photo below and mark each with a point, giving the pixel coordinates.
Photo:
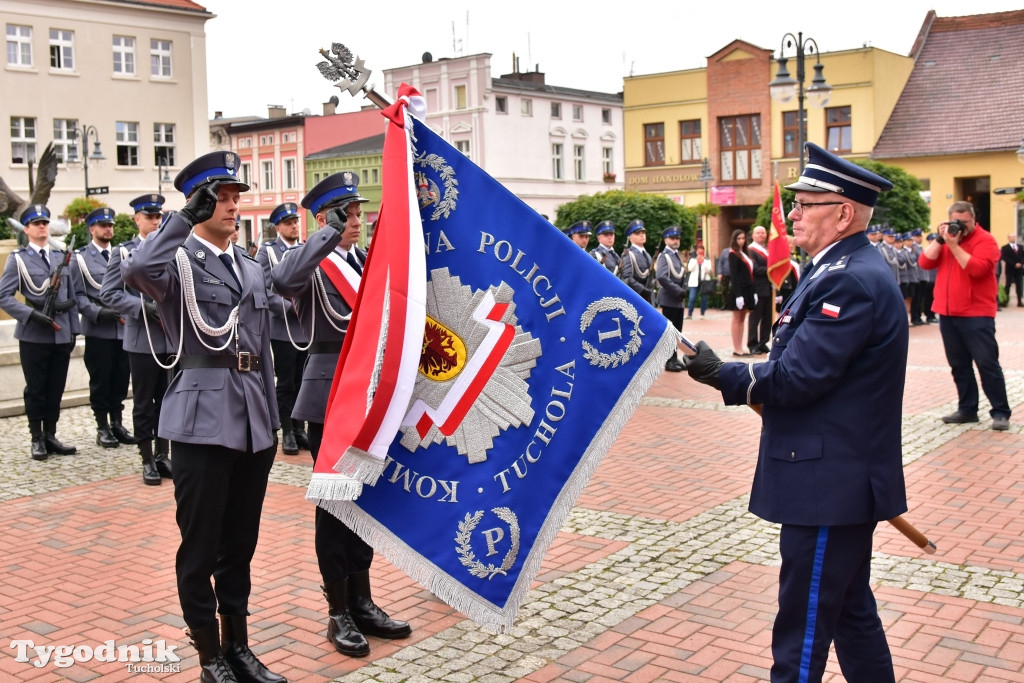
(218, 114)
(329, 108)
(275, 111)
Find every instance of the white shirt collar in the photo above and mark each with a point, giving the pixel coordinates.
(214, 249)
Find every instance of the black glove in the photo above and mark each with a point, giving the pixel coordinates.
(108, 315)
(151, 311)
(201, 205)
(704, 366)
(62, 306)
(37, 317)
(337, 218)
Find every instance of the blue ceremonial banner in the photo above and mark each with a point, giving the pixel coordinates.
(534, 357)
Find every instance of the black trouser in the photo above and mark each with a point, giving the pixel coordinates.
(916, 301)
(339, 551)
(45, 367)
(149, 384)
(288, 365)
(927, 298)
(1015, 277)
(674, 315)
(759, 329)
(219, 494)
(109, 373)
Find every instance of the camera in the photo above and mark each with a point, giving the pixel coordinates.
(955, 226)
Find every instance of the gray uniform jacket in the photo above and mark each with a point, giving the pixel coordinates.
(635, 268)
(913, 251)
(672, 289)
(10, 282)
(889, 254)
(216, 406)
(125, 300)
(293, 278)
(269, 255)
(88, 296)
(608, 258)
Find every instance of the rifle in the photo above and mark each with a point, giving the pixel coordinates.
(58, 275)
(652, 277)
(618, 266)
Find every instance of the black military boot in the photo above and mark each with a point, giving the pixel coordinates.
(206, 641)
(673, 364)
(301, 438)
(120, 433)
(234, 640)
(150, 475)
(369, 618)
(52, 444)
(341, 630)
(163, 462)
(35, 428)
(288, 444)
(104, 437)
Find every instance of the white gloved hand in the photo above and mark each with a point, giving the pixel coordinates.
(755, 298)
(778, 299)
(739, 303)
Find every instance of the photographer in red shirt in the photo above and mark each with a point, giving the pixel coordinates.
(965, 299)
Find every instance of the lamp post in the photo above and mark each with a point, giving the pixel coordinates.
(161, 174)
(784, 87)
(84, 132)
(705, 177)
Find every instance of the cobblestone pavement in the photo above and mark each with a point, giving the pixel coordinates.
(658, 574)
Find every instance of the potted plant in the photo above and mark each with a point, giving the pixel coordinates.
(609, 177)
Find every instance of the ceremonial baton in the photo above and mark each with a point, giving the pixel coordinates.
(902, 525)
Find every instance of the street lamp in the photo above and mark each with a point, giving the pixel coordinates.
(161, 174)
(705, 177)
(84, 132)
(784, 87)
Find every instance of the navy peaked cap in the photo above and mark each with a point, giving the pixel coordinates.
(634, 225)
(825, 172)
(35, 212)
(282, 211)
(336, 190)
(671, 231)
(148, 204)
(579, 228)
(215, 166)
(102, 215)
(605, 226)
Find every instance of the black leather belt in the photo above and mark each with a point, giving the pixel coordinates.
(325, 347)
(243, 362)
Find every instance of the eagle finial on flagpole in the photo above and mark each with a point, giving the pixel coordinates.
(350, 75)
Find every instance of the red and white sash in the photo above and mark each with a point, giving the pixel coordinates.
(343, 276)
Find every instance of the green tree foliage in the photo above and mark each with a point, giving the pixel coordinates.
(621, 207)
(901, 208)
(78, 209)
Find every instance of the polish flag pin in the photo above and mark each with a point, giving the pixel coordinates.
(830, 310)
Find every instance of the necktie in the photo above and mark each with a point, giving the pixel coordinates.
(354, 263)
(229, 264)
(106, 254)
(42, 252)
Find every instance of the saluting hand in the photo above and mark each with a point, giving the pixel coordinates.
(201, 204)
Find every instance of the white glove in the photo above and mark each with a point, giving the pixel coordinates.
(778, 299)
(739, 303)
(755, 298)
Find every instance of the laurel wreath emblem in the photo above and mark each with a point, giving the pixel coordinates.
(466, 556)
(622, 356)
(447, 175)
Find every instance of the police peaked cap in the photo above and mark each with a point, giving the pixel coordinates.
(825, 172)
(35, 212)
(148, 204)
(101, 215)
(579, 228)
(282, 211)
(215, 166)
(634, 225)
(671, 231)
(336, 190)
(605, 226)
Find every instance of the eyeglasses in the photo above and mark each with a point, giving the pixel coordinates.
(800, 206)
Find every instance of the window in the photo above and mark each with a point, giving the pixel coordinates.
(244, 143)
(606, 116)
(556, 161)
(556, 110)
(654, 144)
(579, 162)
(501, 104)
(23, 139)
(289, 173)
(245, 173)
(740, 145)
(124, 55)
(163, 144)
(463, 146)
(316, 178)
(376, 176)
(65, 140)
(790, 134)
(267, 171)
(160, 58)
(607, 160)
(460, 97)
(838, 131)
(689, 140)
(526, 107)
(127, 138)
(577, 112)
(266, 140)
(288, 137)
(431, 96)
(19, 45)
(62, 49)
(366, 176)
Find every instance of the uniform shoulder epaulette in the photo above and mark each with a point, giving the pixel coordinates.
(244, 254)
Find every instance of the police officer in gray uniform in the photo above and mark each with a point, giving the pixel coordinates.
(343, 557)
(671, 271)
(220, 412)
(45, 342)
(604, 252)
(103, 328)
(146, 350)
(286, 335)
(635, 266)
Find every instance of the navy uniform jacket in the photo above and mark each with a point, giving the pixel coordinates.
(88, 296)
(293, 278)
(10, 282)
(216, 406)
(826, 379)
(269, 255)
(634, 268)
(672, 289)
(609, 259)
(125, 300)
